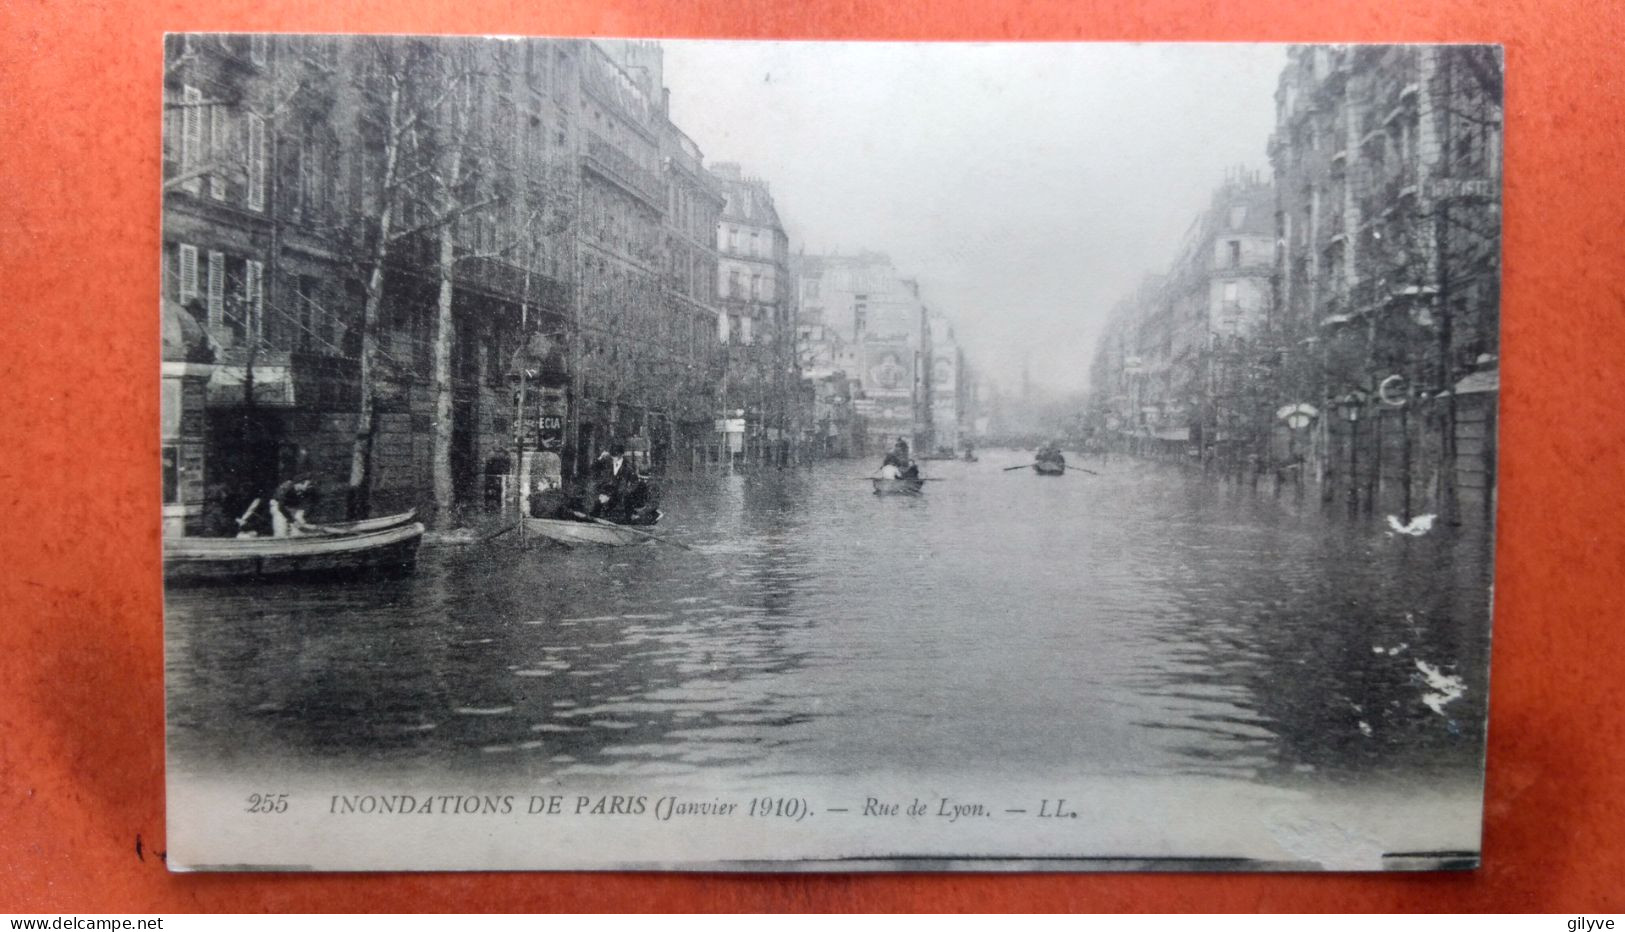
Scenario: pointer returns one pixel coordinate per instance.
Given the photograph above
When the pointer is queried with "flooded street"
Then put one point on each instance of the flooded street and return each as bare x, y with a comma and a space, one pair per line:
1143, 622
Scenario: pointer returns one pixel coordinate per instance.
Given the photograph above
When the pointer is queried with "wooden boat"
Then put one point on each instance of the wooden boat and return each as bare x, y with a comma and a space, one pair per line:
898, 486
203, 559
574, 533
366, 525
1049, 468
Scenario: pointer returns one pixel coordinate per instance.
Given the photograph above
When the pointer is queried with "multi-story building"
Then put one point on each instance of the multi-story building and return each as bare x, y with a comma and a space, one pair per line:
693, 210
1387, 162
426, 244
1171, 370
757, 320
860, 317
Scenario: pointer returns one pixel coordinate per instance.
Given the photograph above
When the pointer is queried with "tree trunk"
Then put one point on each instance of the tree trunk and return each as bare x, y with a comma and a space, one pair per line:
444, 493
444, 333
359, 493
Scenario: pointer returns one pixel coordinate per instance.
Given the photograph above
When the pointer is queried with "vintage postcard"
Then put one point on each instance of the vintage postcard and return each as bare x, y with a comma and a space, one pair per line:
723, 455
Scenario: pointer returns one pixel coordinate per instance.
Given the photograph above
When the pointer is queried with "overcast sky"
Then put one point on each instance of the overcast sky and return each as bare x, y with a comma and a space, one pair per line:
1028, 186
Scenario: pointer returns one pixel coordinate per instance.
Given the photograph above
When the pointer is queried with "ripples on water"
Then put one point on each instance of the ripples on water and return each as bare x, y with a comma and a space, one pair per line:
1144, 621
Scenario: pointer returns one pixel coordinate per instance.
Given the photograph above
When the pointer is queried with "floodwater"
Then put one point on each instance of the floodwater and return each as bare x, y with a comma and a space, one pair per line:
1143, 622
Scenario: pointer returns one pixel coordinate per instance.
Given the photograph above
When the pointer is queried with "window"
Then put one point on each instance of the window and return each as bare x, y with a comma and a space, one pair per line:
744, 331
1238, 216
733, 284
217, 289
756, 287
259, 46
191, 127
218, 130
254, 298
733, 239
755, 243
1235, 253
188, 273
1232, 292
172, 474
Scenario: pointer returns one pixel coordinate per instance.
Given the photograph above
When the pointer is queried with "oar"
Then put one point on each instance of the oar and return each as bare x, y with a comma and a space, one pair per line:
628, 527
495, 534
1063, 468
900, 479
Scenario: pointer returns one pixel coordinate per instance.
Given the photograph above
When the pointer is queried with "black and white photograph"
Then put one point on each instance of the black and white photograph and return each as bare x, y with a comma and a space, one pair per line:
635, 454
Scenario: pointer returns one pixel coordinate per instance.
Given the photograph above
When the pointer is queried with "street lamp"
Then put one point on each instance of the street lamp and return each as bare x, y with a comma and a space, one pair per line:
1350, 406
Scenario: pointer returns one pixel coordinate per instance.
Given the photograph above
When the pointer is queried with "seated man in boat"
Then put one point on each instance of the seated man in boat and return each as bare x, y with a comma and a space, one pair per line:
1051, 453
621, 494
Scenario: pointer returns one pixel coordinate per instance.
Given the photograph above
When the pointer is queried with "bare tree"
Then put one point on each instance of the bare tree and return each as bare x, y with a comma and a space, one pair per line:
403, 92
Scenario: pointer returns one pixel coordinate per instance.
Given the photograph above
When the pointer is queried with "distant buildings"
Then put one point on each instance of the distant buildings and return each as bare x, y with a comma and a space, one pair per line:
1169, 373
1361, 348
864, 323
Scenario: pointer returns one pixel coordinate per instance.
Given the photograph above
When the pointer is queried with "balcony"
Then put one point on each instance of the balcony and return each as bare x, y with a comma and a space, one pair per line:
617, 167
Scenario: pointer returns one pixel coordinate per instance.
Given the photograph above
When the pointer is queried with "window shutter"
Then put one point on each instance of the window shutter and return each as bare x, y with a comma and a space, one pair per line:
256, 162
217, 151
217, 289
188, 287
191, 128
254, 297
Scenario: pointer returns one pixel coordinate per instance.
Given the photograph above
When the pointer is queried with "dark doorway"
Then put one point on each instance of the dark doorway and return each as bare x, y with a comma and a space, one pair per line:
464, 448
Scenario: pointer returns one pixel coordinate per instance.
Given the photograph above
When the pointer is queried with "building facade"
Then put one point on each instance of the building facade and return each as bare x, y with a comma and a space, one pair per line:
757, 325
1172, 368
1354, 345
905, 370
1387, 162
417, 263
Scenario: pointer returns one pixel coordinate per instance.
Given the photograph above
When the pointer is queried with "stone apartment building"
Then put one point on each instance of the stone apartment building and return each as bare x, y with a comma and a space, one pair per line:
313, 248
757, 324
1387, 162
906, 373
1171, 370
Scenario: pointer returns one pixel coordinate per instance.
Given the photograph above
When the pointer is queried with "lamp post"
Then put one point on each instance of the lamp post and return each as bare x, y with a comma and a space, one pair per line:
1350, 406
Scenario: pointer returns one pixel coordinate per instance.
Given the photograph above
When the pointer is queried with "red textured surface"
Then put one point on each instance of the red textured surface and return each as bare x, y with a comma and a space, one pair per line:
81, 720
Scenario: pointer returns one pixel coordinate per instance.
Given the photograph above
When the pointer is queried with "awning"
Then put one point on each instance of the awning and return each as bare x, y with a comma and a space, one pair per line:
273, 386
1480, 382
184, 339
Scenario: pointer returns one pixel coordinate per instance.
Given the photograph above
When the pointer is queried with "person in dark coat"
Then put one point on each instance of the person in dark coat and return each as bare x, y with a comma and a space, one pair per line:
620, 493
289, 503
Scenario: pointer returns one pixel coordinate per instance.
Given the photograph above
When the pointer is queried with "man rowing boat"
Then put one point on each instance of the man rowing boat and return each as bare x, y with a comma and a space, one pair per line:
898, 464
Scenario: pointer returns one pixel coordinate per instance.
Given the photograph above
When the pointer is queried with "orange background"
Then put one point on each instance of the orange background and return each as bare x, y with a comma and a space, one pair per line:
81, 722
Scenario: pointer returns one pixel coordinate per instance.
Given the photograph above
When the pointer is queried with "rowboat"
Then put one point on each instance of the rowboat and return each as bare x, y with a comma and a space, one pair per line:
203, 559
582, 532
898, 486
366, 525
1049, 468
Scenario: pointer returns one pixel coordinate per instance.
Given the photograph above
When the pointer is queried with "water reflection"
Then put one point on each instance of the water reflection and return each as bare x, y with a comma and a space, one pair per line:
1143, 621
